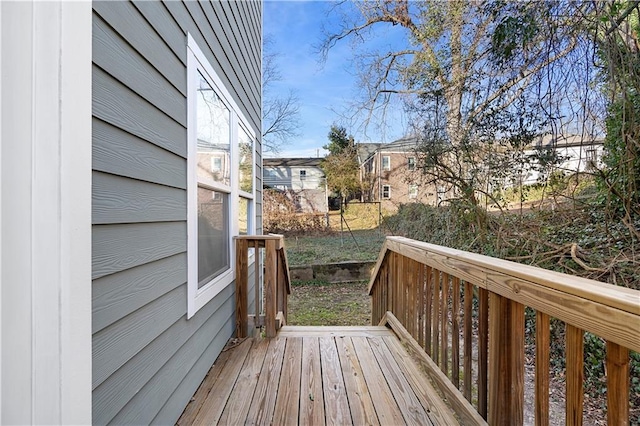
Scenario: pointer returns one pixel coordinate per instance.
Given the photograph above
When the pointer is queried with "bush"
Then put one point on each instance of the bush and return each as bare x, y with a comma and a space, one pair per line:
280, 216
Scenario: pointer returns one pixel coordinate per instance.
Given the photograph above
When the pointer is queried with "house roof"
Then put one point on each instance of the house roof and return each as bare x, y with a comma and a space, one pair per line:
405, 144
292, 162
367, 150
560, 141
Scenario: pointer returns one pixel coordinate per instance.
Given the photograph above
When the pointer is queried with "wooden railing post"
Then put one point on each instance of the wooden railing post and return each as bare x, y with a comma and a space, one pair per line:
270, 283
242, 279
617, 384
506, 361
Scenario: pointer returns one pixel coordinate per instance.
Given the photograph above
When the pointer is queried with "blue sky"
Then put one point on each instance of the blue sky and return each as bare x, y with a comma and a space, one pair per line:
325, 90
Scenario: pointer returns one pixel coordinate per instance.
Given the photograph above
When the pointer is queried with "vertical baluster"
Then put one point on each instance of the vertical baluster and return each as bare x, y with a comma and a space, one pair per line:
617, 384
444, 324
506, 361
483, 350
421, 303
413, 297
386, 296
241, 288
257, 303
542, 369
394, 283
428, 311
435, 338
468, 344
406, 290
575, 375
455, 333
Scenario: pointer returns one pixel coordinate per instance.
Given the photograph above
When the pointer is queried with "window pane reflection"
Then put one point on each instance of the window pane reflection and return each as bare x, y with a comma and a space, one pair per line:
214, 133
243, 216
213, 234
245, 148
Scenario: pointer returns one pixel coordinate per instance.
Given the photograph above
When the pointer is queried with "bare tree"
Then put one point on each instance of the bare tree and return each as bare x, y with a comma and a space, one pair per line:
280, 114
471, 59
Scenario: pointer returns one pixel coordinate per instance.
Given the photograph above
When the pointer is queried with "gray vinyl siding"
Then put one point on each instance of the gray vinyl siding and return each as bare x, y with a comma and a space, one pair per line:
148, 359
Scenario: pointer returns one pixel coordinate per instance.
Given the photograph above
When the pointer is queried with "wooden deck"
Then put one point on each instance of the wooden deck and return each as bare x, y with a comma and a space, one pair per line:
315, 376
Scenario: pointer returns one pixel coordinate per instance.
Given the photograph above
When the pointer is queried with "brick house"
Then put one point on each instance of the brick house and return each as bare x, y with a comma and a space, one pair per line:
389, 174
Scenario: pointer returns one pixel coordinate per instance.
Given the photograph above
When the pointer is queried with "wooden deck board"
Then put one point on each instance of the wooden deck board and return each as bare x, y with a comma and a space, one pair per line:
362, 410
383, 399
318, 376
217, 398
311, 397
264, 399
410, 407
240, 401
335, 395
288, 398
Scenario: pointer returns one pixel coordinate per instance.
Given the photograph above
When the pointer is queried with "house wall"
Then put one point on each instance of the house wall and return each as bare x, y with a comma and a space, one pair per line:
308, 194
575, 160
148, 359
284, 177
45, 202
399, 178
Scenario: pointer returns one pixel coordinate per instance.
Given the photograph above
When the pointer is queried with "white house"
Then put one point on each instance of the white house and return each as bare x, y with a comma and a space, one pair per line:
302, 179
574, 153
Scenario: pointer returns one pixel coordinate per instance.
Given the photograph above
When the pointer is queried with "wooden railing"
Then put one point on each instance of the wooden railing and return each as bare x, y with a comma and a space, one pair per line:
270, 292
441, 301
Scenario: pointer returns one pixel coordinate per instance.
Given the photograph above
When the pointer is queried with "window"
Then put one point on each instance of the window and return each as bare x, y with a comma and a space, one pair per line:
386, 162
413, 191
220, 180
386, 192
303, 174
411, 163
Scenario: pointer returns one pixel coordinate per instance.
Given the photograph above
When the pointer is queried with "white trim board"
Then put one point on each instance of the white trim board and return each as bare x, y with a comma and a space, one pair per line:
45, 228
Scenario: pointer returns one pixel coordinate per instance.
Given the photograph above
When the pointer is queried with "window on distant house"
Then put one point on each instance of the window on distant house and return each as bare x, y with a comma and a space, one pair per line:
386, 192
220, 181
413, 191
411, 163
303, 174
386, 162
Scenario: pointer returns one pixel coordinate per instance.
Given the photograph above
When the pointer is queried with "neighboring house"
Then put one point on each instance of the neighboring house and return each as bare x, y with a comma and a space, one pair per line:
389, 175
130, 158
301, 179
574, 153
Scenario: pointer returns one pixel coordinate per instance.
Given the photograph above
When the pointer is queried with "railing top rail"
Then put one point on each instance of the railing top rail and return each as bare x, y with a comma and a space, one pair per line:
608, 311
262, 238
279, 246
287, 275
448, 259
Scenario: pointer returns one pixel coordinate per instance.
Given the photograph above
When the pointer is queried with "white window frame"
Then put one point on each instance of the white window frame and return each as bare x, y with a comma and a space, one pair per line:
413, 191
197, 63
302, 174
388, 197
411, 163
386, 167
